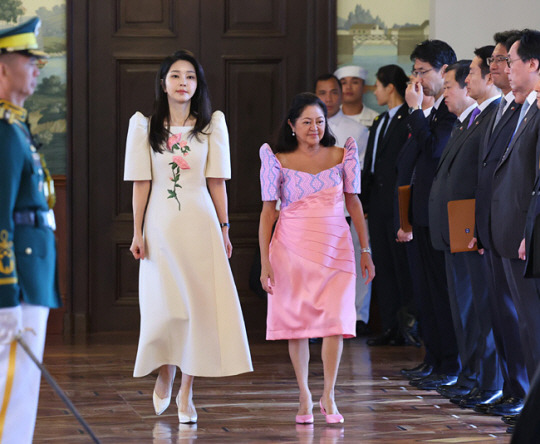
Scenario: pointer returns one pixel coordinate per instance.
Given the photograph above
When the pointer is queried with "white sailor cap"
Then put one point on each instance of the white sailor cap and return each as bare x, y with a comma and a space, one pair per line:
351, 71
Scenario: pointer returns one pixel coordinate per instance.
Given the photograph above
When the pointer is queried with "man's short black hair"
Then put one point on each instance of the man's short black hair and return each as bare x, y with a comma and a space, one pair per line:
529, 45
324, 77
461, 68
506, 38
435, 52
483, 54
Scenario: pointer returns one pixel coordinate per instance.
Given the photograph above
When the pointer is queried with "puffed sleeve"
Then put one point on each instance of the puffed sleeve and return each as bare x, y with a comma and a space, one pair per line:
218, 163
138, 164
270, 174
351, 168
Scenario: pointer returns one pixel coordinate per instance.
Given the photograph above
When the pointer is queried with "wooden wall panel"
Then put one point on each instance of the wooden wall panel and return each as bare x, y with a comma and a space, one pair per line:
134, 92
255, 18
253, 109
149, 18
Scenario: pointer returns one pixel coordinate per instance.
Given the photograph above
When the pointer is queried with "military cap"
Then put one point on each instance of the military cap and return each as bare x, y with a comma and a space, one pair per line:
22, 39
351, 71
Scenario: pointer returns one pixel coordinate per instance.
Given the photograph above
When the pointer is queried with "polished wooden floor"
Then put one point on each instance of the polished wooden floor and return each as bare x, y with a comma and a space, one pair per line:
378, 405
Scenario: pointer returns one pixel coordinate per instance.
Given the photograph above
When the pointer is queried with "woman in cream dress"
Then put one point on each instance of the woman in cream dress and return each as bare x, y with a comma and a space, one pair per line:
178, 160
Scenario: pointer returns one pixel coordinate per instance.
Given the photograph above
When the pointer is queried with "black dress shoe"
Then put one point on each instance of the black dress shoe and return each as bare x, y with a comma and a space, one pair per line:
420, 371
415, 381
362, 329
482, 408
481, 397
387, 338
434, 381
504, 406
457, 399
510, 420
453, 390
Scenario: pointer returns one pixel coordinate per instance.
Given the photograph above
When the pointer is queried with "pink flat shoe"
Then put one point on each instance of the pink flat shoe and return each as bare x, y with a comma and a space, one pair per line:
331, 419
304, 419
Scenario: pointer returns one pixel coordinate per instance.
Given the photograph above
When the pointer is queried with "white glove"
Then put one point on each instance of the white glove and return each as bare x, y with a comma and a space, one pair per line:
10, 324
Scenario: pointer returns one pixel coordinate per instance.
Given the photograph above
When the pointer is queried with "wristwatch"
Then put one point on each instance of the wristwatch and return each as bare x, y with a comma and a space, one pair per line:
412, 109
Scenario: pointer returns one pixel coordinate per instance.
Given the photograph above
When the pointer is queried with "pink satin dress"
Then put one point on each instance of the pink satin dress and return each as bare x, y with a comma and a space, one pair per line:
311, 251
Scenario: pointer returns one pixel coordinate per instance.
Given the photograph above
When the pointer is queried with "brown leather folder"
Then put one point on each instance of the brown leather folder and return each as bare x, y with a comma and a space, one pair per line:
461, 224
404, 201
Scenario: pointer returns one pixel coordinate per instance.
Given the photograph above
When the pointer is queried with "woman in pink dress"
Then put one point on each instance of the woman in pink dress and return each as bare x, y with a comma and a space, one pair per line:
308, 267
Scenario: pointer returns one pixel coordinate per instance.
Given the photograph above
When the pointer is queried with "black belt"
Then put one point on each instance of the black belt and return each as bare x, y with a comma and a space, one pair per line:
35, 218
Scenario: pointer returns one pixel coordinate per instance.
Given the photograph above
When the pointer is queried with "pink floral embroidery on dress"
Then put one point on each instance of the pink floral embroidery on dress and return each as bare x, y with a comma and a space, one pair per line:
175, 143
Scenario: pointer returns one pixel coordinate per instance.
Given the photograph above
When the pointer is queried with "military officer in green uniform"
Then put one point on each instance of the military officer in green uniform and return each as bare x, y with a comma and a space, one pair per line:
28, 285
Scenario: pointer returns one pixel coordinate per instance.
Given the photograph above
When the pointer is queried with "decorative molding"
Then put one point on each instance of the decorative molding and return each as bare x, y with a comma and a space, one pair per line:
255, 18
141, 18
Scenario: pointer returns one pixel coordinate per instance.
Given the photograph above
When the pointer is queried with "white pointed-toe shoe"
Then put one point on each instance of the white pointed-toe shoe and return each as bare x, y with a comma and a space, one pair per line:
185, 417
160, 405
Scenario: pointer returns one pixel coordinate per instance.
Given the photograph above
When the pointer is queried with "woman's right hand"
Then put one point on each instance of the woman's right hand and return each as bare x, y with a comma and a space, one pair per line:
267, 277
137, 246
404, 236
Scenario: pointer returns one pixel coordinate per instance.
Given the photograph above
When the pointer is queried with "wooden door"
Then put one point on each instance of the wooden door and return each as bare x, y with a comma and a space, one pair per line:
256, 54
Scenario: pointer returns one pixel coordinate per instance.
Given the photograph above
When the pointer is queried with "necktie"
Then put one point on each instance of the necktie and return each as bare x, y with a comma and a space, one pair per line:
432, 114
455, 128
475, 112
379, 139
524, 109
499, 114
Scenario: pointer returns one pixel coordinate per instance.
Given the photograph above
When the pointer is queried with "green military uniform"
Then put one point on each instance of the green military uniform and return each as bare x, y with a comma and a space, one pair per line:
27, 244
28, 285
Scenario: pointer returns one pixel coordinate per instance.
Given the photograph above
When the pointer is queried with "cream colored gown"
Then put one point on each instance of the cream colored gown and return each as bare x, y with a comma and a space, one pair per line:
190, 313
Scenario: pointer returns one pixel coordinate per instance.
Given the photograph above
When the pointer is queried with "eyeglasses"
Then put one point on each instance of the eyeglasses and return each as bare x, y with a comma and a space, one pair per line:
509, 61
421, 73
497, 59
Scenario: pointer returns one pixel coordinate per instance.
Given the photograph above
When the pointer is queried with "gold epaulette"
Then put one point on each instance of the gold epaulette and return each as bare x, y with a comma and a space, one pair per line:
11, 112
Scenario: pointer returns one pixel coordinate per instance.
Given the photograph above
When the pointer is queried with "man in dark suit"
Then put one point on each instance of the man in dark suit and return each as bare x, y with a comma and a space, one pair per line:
513, 182
27, 245
527, 426
466, 273
386, 138
431, 134
502, 311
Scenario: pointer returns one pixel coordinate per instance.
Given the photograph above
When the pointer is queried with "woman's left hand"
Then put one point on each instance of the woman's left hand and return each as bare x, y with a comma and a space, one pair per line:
227, 242
368, 269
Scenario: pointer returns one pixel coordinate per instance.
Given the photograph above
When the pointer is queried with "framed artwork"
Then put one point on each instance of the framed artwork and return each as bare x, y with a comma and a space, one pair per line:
374, 33
47, 106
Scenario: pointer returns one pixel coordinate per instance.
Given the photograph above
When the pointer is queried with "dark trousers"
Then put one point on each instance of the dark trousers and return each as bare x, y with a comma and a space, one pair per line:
419, 296
526, 297
438, 327
392, 283
467, 278
504, 320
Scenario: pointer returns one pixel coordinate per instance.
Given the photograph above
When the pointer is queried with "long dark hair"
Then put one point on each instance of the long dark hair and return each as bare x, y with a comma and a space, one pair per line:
393, 74
286, 142
200, 107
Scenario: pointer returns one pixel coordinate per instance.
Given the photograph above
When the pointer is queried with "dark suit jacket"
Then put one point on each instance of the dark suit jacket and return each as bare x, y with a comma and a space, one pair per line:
493, 144
456, 175
513, 182
378, 187
532, 215
431, 137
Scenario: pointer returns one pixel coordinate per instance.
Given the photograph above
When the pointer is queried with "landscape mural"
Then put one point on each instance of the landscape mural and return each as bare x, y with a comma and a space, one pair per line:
47, 107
